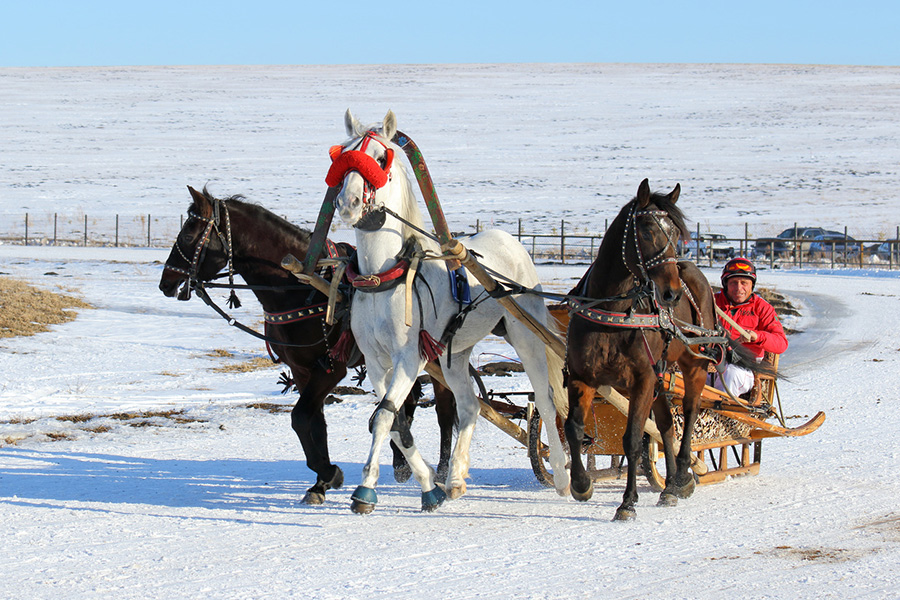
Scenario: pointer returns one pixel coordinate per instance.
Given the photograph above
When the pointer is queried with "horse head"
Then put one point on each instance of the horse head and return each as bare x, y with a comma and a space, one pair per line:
197, 254
649, 246
361, 166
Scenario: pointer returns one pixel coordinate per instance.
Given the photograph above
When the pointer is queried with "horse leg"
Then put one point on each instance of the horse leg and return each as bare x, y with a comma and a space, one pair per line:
445, 407
308, 422
388, 420
665, 424
467, 411
641, 397
683, 483
581, 395
402, 470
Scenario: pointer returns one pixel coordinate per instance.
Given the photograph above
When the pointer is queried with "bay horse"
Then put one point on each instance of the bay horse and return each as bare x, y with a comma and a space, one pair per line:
410, 315
250, 241
649, 301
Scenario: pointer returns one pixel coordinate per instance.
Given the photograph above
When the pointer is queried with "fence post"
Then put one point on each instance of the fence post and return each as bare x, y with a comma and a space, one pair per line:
117, 231
85, 230
148, 231
562, 240
745, 246
26, 229
55, 215
520, 230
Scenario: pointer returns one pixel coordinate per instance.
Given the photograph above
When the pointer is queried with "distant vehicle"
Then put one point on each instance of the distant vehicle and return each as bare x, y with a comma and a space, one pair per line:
783, 244
887, 251
693, 249
833, 245
719, 245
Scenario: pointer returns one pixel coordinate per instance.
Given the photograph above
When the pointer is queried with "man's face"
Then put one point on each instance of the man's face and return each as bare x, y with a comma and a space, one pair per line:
739, 289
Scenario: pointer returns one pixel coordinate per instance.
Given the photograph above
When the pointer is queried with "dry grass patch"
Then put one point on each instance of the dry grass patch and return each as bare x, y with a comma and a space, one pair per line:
27, 310
254, 364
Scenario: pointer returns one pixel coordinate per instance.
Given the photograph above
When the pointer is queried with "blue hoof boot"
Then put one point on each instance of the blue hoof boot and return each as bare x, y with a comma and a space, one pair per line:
431, 500
363, 500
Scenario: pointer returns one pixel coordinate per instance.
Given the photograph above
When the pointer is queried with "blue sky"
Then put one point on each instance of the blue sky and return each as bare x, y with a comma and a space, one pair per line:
163, 32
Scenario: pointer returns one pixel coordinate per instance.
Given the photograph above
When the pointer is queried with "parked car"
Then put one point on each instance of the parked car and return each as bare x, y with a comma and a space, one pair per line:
719, 245
833, 245
783, 244
693, 249
887, 251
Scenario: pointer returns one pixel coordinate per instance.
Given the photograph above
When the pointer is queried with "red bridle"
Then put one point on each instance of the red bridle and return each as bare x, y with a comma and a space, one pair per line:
343, 161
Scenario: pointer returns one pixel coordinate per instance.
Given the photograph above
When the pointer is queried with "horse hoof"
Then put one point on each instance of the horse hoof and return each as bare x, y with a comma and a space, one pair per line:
667, 499
625, 514
313, 498
337, 480
582, 496
363, 500
565, 491
456, 491
683, 491
402, 473
431, 500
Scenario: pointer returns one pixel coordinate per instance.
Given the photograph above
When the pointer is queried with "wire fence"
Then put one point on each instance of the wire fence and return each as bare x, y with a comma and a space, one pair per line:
794, 246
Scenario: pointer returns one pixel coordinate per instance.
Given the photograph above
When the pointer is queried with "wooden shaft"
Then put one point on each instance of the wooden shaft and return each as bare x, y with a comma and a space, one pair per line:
455, 248
293, 265
487, 411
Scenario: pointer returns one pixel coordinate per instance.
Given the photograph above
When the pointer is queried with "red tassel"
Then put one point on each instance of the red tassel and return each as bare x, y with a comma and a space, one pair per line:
429, 348
343, 347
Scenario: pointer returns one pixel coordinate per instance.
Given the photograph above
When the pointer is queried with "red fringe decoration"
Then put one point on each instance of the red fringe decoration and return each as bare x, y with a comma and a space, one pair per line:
429, 348
343, 347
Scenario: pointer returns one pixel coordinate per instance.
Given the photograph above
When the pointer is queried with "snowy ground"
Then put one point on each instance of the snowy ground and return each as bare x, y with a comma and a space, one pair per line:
148, 507
211, 507
767, 145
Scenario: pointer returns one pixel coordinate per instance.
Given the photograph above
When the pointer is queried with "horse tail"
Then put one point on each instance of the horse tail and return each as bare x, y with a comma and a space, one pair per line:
558, 391
742, 357
555, 366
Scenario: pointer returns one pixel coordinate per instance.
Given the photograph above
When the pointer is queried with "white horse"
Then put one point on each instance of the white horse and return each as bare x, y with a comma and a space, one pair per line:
395, 327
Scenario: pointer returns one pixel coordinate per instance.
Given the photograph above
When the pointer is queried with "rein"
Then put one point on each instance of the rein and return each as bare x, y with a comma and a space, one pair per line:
200, 289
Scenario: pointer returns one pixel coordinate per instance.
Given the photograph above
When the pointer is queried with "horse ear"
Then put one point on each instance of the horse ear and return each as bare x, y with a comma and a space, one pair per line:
643, 194
201, 202
353, 126
673, 195
389, 127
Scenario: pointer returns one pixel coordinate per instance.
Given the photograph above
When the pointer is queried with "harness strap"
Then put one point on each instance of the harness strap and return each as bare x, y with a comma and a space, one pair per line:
377, 282
292, 316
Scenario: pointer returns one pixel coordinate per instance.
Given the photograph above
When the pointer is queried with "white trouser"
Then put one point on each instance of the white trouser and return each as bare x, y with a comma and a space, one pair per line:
737, 379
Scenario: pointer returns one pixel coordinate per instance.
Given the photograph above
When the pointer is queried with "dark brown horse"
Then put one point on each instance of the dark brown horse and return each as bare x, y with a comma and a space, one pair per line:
251, 241
649, 305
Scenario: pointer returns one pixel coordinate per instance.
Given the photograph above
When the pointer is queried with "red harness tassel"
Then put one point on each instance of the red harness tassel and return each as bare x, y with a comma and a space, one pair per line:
429, 348
343, 347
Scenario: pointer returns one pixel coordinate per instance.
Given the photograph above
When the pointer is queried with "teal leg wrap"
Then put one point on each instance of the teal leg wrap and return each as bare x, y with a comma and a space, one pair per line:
431, 500
365, 495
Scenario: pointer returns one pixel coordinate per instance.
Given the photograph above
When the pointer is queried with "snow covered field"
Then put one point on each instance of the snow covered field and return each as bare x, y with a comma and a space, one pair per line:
208, 504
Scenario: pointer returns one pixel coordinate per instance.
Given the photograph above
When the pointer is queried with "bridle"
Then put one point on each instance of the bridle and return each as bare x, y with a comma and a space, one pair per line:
196, 261
645, 264
375, 176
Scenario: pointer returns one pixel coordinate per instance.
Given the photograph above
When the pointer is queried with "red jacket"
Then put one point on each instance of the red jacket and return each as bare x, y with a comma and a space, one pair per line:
758, 315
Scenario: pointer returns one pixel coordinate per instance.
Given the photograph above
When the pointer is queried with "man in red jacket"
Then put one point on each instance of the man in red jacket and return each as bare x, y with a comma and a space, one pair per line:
756, 316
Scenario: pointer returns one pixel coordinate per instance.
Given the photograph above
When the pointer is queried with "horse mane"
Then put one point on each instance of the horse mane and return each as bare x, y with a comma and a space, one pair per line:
291, 233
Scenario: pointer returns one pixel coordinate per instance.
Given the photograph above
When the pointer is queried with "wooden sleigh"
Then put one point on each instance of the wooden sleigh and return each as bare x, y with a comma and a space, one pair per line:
727, 438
